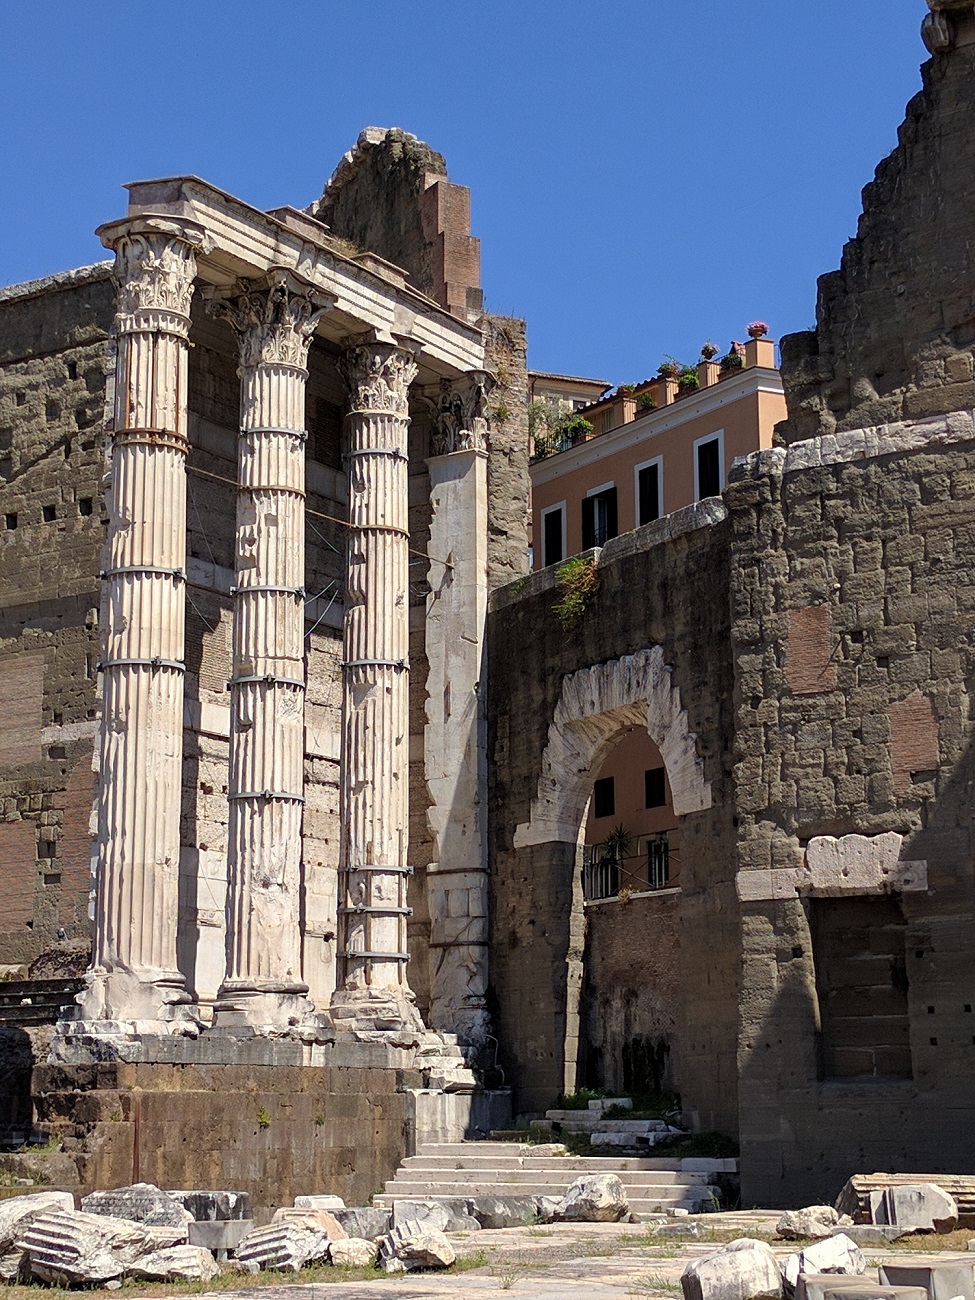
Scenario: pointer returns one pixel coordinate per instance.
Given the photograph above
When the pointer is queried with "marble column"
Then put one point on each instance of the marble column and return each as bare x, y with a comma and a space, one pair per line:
274, 323
134, 978
455, 736
373, 991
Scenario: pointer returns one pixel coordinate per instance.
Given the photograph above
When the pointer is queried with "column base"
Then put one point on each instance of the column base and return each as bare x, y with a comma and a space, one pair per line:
119, 1009
271, 1011
371, 1012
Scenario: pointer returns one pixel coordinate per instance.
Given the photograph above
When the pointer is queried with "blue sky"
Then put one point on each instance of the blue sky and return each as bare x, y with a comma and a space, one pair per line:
644, 175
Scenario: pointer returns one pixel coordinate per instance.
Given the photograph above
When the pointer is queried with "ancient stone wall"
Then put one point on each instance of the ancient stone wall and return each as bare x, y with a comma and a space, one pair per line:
664, 586
896, 323
53, 365
275, 1132
852, 596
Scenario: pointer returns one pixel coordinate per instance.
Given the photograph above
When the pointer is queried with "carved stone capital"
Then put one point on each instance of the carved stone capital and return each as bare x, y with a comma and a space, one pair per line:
378, 376
274, 319
155, 264
457, 408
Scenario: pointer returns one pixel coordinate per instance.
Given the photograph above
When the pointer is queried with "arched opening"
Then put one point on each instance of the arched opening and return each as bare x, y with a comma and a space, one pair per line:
599, 707
631, 882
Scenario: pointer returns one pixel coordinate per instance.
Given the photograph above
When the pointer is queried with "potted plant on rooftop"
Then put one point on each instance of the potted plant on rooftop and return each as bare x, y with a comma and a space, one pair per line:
669, 369
757, 329
709, 351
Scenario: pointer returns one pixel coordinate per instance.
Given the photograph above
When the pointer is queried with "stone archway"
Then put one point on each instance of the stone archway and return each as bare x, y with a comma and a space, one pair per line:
595, 707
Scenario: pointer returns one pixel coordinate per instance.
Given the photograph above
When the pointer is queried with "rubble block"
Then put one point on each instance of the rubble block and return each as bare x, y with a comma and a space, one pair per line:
743, 1270
15, 1215
317, 1220
365, 1222
547, 1208
446, 1215
914, 1207
595, 1198
836, 1254
413, 1246
220, 1236
875, 1291
177, 1264
869, 1234
282, 1248
813, 1221
353, 1252
142, 1203
214, 1205
813, 1286
319, 1203
68, 1246
854, 1197
505, 1211
607, 1103
941, 1279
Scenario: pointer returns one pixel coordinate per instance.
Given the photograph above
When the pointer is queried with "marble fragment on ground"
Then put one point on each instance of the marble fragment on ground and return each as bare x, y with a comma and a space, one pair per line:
743, 1270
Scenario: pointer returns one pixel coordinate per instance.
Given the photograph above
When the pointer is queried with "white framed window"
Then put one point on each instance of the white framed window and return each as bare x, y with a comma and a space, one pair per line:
553, 534
648, 490
600, 521
709, 477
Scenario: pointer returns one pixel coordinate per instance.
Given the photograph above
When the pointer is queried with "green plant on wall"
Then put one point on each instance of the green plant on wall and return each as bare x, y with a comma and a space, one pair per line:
263, 1117
577, 582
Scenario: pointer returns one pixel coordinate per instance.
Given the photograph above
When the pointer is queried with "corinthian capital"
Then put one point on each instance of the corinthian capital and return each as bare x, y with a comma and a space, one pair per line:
458, 410
155, 263
378, 376
274, 319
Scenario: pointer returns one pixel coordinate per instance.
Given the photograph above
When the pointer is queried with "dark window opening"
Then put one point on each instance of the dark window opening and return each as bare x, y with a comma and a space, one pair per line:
599, 518
648, 494
708, 469
861, 981
658, 860
552, 549
604, 797
49, 514
21, 399
84, 506
655, 787
11, 520
72, 370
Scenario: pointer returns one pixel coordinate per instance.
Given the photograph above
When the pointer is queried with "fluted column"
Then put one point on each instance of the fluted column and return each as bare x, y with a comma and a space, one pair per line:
274, 324
373, 990
134, 975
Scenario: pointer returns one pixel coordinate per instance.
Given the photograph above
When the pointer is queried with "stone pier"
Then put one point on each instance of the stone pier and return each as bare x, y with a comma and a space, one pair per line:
455, 739
274, 324
134, 979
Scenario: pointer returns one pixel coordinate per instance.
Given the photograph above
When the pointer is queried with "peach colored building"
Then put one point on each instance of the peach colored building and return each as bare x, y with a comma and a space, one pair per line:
653, 449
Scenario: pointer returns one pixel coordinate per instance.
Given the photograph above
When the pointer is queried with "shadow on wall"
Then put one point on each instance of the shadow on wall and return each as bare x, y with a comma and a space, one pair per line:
857, 1044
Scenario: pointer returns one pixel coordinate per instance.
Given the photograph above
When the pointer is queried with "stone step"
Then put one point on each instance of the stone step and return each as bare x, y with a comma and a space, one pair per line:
423, 1191
644, 1206
550, 1177
504, 1151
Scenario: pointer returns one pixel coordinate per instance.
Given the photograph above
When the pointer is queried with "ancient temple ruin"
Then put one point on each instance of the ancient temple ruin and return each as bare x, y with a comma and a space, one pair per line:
345, 745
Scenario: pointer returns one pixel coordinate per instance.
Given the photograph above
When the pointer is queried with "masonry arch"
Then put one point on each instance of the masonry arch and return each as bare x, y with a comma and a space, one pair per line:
597, 706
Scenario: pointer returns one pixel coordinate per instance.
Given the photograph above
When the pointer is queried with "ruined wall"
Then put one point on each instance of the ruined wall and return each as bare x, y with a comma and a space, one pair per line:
667, 585
53, 363
390, 194
896, 323
852, 594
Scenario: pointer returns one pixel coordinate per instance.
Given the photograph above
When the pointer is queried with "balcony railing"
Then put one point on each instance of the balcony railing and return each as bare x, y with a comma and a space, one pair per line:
605, 876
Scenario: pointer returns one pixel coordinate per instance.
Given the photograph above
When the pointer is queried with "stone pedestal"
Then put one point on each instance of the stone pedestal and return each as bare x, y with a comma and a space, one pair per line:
373, 993
134, 980
263, 987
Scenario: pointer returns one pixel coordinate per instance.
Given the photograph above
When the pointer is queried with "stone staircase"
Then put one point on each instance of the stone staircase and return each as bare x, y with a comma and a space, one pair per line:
466, 1170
